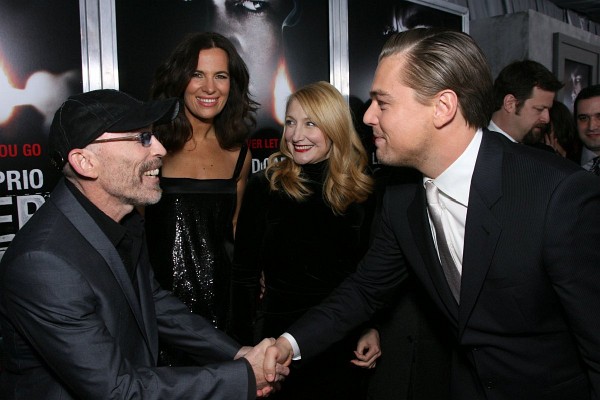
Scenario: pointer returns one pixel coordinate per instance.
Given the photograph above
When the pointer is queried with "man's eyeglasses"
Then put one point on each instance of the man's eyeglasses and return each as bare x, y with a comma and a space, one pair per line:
145, 138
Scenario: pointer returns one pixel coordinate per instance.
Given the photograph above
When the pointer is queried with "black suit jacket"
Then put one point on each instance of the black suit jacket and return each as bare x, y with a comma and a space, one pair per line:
74, 327
528, 322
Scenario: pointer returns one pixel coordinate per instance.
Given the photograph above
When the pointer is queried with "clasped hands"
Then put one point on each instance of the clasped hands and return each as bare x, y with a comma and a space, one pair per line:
256, 356
270, 359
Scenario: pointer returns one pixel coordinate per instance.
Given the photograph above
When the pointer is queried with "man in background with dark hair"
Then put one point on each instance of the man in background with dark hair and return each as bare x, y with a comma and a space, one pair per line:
587, 117
523, 95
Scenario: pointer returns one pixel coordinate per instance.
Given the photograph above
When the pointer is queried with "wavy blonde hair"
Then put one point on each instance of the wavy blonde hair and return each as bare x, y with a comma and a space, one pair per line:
347, 180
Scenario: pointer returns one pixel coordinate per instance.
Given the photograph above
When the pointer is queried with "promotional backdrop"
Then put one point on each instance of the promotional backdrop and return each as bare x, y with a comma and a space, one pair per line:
40, 66
285, 44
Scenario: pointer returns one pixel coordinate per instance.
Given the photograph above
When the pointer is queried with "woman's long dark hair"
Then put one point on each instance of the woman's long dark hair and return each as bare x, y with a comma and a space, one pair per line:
232, 125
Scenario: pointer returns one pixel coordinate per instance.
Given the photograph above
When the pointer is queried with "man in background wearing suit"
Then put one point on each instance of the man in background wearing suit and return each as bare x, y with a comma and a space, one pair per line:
587, 118
523, 95
80, 311
503, 238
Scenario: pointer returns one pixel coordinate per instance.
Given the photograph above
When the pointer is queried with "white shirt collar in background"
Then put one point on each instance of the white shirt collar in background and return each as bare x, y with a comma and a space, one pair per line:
493, 127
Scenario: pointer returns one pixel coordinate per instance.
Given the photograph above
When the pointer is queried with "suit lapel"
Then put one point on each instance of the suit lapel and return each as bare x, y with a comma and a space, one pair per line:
482, 230
75, 213
146, 301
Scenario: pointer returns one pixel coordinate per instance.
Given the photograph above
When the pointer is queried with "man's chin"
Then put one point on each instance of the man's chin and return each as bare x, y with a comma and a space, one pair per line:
537, 131
151, 198
387, 159
156, 198
594, 148
380, 156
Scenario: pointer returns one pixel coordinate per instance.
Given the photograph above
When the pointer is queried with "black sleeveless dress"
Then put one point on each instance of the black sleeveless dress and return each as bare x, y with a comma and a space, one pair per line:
190, 241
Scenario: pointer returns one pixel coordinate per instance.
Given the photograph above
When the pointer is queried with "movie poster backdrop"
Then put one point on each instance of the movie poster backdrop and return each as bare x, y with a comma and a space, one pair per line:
40, 66
285, 44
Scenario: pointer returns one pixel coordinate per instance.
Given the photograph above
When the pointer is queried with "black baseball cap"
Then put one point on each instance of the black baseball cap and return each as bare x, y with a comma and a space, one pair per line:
84, 117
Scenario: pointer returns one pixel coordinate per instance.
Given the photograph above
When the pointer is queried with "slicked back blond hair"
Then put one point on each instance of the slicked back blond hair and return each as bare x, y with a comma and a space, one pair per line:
436, 59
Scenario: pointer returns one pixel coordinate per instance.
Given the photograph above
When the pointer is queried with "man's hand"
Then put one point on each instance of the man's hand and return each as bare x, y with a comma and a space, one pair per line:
242, 352
256, 358
367, 349
278, 355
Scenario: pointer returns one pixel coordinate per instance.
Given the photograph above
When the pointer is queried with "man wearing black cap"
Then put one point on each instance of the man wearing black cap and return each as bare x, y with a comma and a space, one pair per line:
80, 311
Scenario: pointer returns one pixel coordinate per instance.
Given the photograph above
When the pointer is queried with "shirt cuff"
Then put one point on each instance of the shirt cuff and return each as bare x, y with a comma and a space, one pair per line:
295, 348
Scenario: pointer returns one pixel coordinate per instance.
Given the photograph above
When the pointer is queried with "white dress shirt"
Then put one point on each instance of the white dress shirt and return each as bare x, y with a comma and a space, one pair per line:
493, 127
454, 185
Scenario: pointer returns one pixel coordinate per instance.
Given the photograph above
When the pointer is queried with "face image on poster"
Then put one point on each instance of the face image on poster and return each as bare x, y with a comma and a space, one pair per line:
284, 43
40, 66
369, 26
577, 76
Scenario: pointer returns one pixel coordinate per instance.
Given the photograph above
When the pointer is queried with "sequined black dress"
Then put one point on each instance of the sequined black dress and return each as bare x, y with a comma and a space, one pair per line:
190, 240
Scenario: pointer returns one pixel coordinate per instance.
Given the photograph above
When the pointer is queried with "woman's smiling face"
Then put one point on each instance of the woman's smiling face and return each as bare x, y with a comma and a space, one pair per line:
305, 141
208, 89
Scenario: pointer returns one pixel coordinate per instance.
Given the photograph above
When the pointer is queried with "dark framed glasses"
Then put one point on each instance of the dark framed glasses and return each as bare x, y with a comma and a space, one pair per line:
145, 138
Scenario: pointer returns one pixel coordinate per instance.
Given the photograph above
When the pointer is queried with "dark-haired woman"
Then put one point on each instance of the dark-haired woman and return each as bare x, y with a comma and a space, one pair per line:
203, 177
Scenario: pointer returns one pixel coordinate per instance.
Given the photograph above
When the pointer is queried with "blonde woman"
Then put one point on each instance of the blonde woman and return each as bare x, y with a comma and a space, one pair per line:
304, 224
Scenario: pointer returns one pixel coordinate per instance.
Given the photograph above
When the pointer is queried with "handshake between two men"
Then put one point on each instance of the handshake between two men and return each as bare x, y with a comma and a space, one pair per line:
267, 380
270, 359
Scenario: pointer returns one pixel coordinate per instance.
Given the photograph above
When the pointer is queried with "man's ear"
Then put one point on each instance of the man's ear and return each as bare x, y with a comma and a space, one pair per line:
510, 103
445, 108
84, 162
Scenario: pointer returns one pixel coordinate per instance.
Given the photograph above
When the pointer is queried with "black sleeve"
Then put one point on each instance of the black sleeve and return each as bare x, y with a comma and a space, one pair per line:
247, 268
